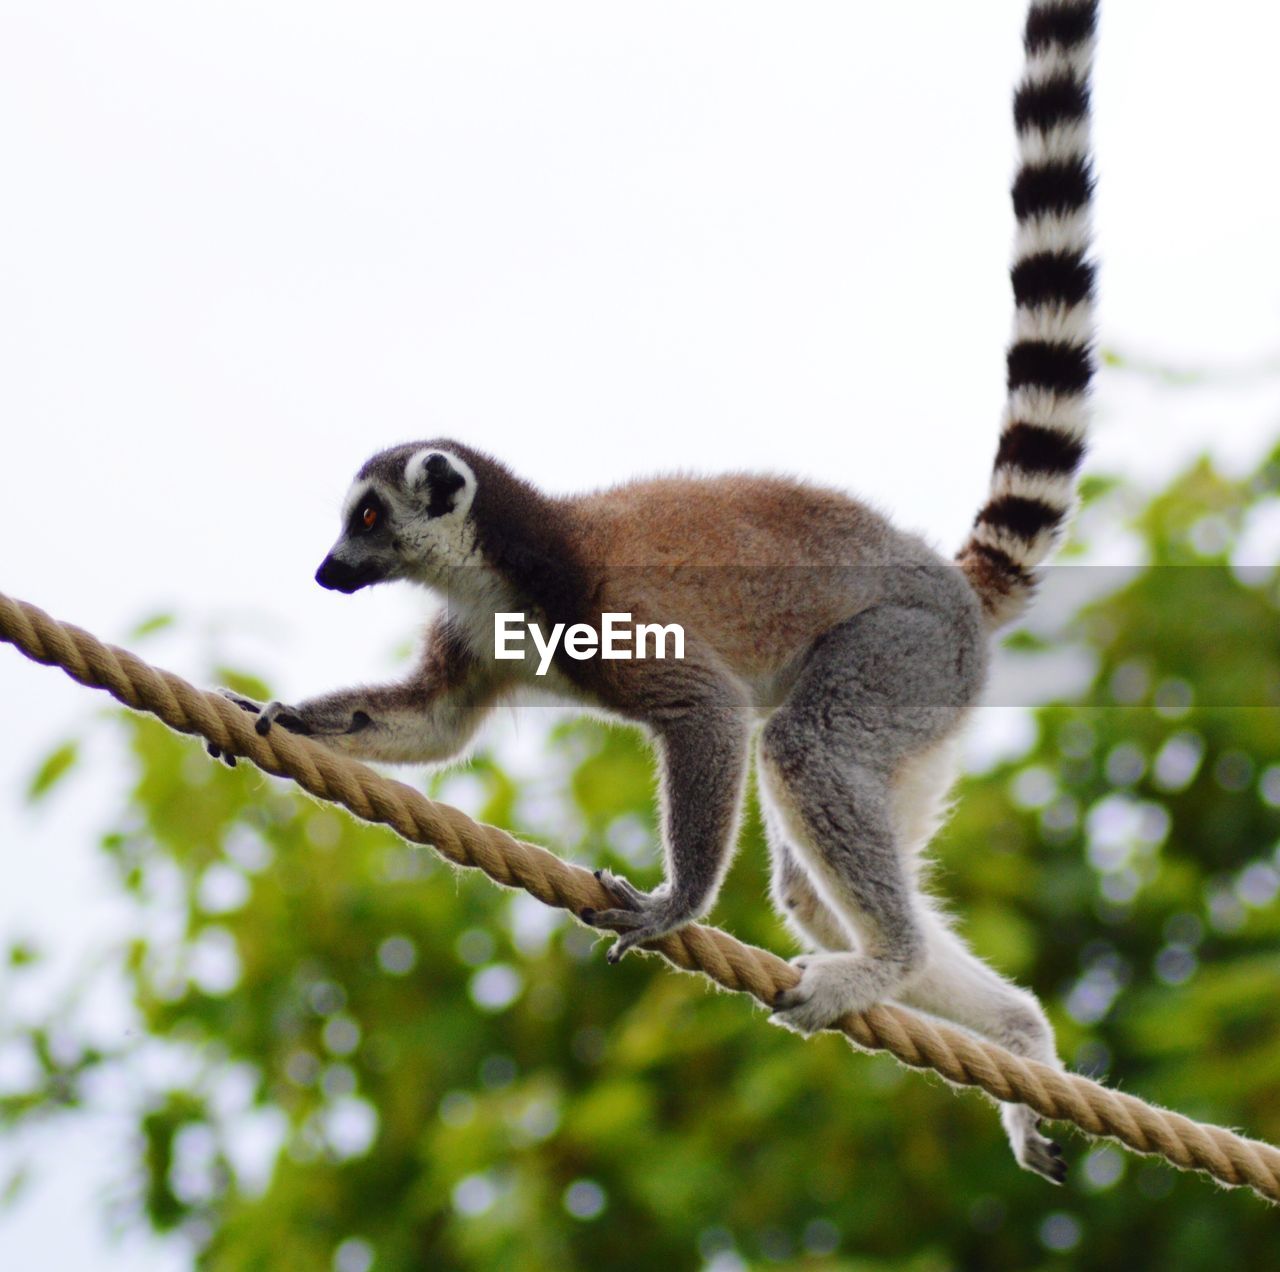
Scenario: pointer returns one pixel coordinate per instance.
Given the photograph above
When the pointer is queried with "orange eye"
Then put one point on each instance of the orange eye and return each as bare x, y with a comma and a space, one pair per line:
369, 517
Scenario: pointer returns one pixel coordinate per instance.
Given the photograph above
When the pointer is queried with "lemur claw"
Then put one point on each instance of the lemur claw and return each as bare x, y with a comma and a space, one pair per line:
219, 754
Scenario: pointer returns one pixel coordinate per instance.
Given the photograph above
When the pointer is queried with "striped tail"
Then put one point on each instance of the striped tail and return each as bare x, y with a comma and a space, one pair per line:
1050, 358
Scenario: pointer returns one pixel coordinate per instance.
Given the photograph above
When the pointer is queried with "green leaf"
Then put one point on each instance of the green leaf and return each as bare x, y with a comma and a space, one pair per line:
1096, 485
1023, 641
22, 954
56, 765
13, 1187
149, 626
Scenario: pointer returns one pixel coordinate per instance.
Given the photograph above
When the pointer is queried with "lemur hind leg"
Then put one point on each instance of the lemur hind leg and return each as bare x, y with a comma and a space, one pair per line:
853, 776
814, 923
920, 789
955, 984
886, 686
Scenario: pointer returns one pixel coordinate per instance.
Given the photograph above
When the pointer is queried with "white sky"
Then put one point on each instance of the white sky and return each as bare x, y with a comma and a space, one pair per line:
244, 244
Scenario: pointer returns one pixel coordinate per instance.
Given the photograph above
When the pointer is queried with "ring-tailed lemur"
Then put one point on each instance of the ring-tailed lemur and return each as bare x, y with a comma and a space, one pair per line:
860, 648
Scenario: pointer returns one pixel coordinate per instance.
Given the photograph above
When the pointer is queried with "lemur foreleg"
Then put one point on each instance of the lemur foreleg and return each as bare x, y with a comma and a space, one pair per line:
428, 717
702, 746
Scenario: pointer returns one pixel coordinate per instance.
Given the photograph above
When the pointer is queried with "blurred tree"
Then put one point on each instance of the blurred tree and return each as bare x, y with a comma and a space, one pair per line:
371, 1061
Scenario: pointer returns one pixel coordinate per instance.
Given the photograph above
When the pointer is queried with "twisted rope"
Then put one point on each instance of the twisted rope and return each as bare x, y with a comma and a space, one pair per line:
915, 1040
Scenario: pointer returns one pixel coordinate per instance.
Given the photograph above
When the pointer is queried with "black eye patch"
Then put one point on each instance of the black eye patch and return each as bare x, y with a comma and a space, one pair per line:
443, 482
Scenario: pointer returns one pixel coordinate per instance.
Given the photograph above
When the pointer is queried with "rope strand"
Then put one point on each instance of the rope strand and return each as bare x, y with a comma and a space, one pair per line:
918, 1041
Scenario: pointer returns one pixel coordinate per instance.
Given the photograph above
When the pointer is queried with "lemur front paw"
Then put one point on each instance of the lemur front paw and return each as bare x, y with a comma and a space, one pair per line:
830, 986
640, 916
268, 714
245, 704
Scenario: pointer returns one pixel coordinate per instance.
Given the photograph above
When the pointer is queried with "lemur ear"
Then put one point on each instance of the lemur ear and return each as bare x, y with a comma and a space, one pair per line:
441, 480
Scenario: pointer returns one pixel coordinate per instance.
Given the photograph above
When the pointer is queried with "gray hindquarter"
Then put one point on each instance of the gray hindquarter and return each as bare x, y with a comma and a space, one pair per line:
885, 687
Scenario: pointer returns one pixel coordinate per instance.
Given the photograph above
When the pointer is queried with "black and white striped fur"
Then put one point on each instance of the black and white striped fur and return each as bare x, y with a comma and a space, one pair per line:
1051, 354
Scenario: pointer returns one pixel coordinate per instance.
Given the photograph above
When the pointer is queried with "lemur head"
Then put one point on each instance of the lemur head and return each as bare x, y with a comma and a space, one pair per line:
406, 516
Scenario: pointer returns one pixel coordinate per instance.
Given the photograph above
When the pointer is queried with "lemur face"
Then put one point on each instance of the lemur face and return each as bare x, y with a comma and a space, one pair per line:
405, 517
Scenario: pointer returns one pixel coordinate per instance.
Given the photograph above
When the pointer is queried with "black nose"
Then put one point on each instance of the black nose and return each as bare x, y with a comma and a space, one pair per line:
338, 576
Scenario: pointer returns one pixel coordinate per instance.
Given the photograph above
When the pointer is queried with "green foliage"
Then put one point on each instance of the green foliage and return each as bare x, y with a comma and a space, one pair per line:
149, 626
53, 768
368, 1053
